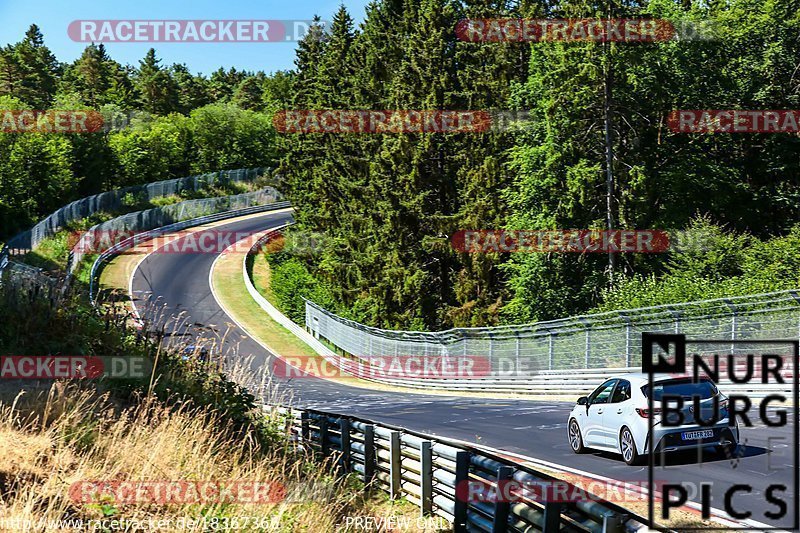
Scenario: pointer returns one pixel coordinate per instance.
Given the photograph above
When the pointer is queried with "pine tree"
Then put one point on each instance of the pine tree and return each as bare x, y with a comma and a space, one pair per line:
122, 91
222, 83
93, 75
193, 91
38, 68
249, 94
156, 87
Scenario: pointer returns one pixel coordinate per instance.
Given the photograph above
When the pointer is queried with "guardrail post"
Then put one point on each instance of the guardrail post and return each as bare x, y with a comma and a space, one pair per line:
344, 427
369, 453
426, 478
323, 435
516, 354
550, 345
305, 427
552, 517
612, 523
462, 492
501, 507
394, 465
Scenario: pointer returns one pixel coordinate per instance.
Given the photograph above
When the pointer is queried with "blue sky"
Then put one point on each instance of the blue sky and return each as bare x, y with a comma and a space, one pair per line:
53, 17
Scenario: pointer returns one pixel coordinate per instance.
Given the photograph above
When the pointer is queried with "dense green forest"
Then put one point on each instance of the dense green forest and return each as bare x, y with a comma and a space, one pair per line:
165, 122
388, 204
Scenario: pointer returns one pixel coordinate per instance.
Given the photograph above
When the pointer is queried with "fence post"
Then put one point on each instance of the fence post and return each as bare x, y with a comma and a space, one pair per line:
552, 517
491, 352
588, 347
426, 478
734, 311
501, 508
676, 315
627, 320
550, 339
344, 427
516, 355
369, 453
394, 465
797, 300
462, 492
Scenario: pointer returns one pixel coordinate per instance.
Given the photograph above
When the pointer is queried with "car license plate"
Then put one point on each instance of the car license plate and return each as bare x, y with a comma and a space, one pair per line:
695, 435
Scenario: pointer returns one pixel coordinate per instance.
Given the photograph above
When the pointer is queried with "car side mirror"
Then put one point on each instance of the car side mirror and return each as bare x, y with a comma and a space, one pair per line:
583, 400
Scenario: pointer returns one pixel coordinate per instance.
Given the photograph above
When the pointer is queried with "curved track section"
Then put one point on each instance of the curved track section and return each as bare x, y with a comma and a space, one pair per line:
177, 287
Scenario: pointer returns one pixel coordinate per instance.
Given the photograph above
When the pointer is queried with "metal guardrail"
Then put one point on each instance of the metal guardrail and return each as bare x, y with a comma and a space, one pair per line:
177, 226
603, 340
433, 473
110, 200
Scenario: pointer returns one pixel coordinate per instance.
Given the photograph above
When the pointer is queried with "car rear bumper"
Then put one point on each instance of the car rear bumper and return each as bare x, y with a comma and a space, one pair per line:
672, 439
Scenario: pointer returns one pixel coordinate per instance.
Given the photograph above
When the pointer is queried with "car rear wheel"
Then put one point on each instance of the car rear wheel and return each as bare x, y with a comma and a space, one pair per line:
728, 446
627, 447
575, 439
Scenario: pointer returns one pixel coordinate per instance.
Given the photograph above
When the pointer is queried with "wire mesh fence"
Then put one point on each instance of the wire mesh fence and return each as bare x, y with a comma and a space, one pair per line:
603, 340
115, 201
105, 234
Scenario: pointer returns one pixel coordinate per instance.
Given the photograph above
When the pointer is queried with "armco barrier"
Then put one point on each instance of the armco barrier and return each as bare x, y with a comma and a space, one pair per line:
427, 471
111, 200
147, 235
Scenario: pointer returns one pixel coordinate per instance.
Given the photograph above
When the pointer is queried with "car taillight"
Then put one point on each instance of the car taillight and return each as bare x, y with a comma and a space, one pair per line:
723, 404
645, 413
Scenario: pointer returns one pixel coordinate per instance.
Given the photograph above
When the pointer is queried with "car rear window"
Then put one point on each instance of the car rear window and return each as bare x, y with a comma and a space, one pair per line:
704, 389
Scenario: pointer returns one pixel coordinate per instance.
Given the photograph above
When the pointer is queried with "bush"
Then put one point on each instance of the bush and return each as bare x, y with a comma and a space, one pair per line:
290, 282
723, 264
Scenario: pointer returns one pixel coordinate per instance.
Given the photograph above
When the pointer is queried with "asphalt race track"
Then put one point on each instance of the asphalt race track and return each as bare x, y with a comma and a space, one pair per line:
179, 283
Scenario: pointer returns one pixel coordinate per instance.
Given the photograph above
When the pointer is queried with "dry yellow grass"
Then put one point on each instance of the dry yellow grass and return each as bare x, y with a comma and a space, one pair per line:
68, 435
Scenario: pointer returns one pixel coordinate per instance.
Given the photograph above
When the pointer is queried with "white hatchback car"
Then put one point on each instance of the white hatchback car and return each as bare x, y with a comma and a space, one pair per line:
615, 417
